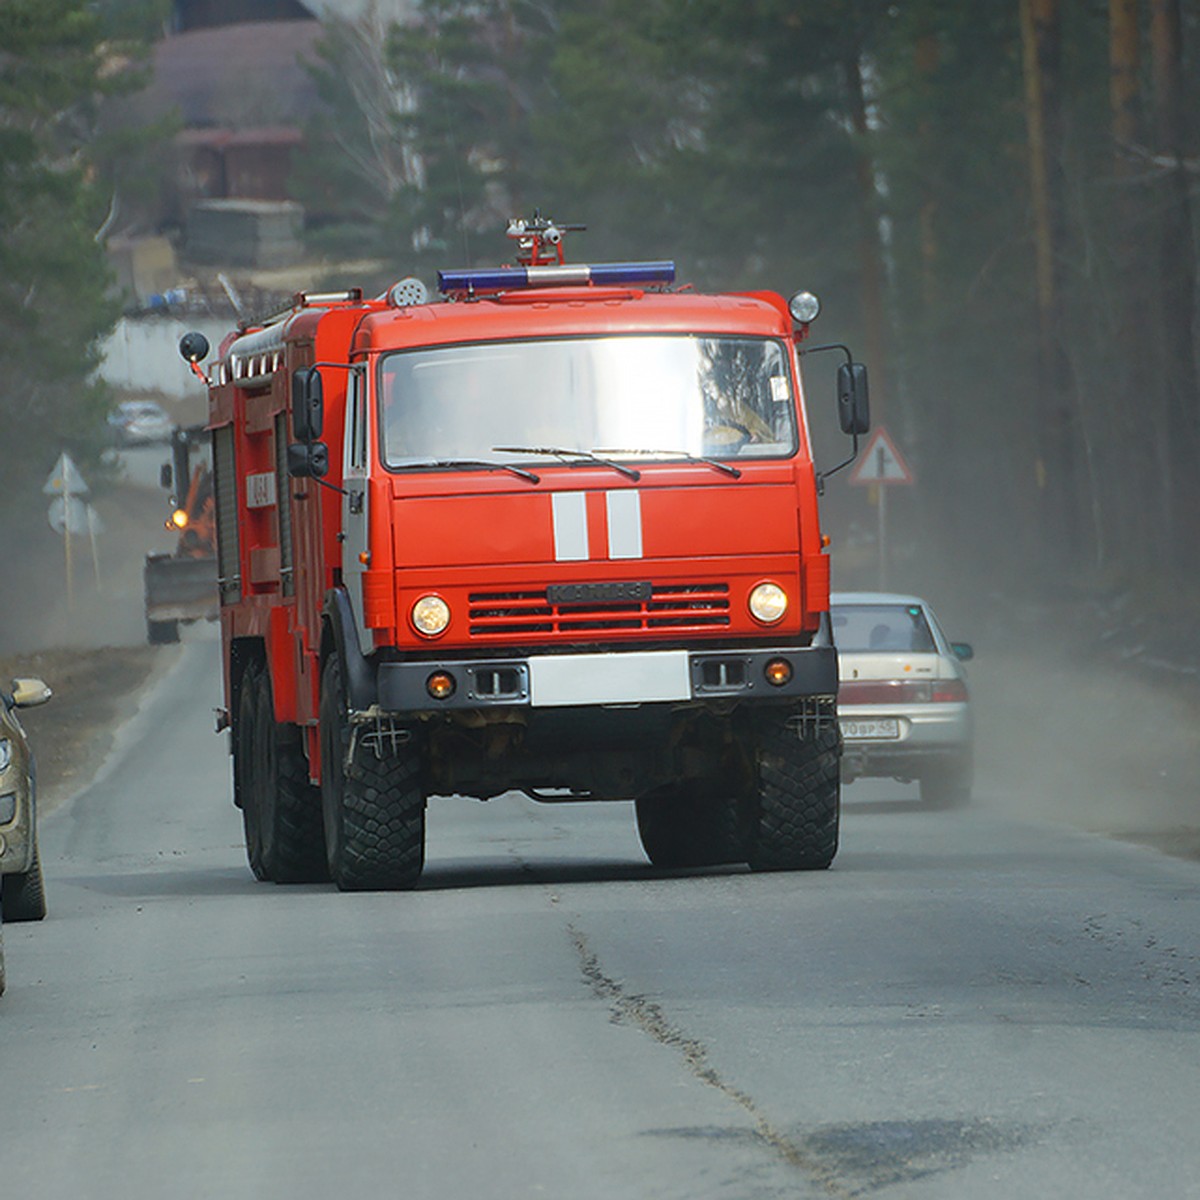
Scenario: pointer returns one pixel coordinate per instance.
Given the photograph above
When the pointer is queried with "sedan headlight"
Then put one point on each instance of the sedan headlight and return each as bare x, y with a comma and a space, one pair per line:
768, 603
5, 753
430, 616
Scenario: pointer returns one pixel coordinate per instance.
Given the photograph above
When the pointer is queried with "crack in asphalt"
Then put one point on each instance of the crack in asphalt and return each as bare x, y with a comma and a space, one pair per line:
650, 1018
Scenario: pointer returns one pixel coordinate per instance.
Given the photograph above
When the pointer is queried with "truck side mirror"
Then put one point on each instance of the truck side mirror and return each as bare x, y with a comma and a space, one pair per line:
853, 398
308, 460
164, 476
308, 404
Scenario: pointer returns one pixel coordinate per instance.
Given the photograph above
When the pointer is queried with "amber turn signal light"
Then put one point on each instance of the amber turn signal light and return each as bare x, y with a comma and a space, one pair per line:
778, 672
440, 685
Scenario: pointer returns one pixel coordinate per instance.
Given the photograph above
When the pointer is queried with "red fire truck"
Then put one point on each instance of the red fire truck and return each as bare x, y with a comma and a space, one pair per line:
555, 532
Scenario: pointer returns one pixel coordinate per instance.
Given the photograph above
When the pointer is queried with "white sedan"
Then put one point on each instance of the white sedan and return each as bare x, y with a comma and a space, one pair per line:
140, 423
903, 702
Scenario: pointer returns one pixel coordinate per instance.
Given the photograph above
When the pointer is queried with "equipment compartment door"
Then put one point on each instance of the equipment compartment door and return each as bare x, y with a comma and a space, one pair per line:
355, 546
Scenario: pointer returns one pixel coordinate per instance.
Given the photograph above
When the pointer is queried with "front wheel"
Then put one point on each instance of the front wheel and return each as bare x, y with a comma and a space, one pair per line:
23, 896
793, 808
372, 801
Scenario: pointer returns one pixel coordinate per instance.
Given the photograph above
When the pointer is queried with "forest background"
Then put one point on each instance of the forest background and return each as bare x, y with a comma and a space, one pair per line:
996, 203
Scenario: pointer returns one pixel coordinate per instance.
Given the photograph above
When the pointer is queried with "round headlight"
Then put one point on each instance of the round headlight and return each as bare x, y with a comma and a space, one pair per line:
5, 753
430, 616
768, 603
804, 307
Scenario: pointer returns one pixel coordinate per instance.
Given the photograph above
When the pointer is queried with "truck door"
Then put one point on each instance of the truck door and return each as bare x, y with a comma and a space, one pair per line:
355, 543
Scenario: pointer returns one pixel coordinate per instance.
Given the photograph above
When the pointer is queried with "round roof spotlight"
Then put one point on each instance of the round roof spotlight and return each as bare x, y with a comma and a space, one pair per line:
407, 292
804, 307
768, 602
430, 616
193, 347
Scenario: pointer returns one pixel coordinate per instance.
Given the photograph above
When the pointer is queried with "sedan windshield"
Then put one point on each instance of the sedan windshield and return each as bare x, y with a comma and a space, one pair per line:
882, 627
645, 395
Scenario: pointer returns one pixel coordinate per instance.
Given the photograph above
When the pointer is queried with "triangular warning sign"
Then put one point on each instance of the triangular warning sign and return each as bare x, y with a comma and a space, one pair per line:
881, 462
65, 479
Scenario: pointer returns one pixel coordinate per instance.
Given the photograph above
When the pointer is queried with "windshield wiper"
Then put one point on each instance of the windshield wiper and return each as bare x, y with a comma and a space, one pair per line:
486, 463
566, 453
715, 463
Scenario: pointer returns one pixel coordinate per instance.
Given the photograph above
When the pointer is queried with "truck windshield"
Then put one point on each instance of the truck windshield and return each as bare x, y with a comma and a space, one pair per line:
719, 397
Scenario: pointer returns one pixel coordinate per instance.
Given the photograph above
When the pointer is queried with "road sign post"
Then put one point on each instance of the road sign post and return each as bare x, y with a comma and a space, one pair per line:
69, 514
883, 466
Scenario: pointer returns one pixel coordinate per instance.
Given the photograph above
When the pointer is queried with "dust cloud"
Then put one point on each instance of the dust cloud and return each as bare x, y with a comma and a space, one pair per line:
1073, 724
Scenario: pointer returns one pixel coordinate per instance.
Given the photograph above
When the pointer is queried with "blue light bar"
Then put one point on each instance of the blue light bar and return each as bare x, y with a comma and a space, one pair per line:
505, 279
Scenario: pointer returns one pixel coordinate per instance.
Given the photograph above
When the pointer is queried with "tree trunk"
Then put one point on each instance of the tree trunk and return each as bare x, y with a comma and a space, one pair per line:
1137, 514
1124, 63
1176, 310
1056, 416
870, 251
928, 58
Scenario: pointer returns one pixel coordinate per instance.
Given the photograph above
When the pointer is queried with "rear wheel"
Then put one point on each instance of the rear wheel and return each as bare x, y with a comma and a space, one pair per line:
373, 804
245, 736
792, 810
290, 826
23, 896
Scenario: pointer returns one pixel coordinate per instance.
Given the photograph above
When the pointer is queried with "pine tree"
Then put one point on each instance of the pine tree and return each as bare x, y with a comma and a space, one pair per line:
57, 64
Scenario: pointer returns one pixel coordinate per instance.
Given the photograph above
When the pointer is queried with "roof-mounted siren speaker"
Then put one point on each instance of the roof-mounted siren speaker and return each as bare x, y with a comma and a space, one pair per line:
407, 292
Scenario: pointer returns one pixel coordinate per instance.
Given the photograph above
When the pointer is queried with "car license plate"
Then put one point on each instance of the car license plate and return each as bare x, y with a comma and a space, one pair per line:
858, 731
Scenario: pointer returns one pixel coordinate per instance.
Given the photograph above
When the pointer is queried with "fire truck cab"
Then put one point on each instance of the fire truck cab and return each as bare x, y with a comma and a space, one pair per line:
556, 532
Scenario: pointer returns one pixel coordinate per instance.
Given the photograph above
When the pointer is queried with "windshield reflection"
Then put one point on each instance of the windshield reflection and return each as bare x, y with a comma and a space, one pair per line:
716, 397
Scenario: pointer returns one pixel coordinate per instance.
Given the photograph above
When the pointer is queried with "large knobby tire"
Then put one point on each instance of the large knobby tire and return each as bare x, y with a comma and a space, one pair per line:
245, 736
23, 896
794, 808
679, 828
290, 825
373, 806
947, 785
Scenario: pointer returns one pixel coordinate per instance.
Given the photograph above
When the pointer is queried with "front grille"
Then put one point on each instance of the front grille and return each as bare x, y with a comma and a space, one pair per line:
675, 606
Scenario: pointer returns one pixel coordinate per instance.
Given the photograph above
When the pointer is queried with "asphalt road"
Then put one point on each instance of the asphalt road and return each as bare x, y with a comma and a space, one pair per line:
966, 1005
